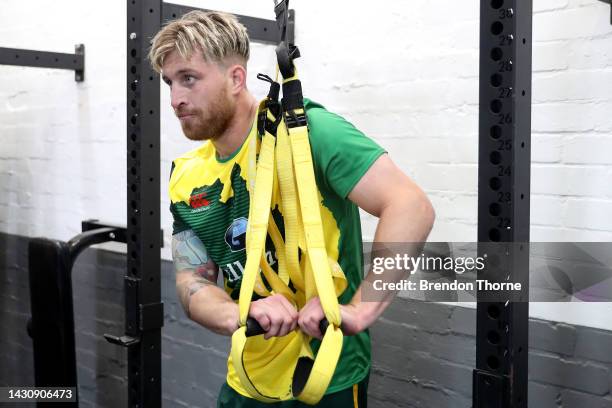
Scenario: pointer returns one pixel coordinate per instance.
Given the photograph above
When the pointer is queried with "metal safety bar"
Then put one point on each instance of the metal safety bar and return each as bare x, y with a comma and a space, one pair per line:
45, 59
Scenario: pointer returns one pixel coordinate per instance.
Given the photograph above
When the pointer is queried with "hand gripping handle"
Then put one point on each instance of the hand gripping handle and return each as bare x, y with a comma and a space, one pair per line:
253, 328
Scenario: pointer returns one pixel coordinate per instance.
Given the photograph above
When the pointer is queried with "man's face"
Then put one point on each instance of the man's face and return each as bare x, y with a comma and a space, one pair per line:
199, 93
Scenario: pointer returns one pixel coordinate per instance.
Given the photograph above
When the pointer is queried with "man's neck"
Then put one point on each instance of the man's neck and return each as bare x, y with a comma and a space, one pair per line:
238, 130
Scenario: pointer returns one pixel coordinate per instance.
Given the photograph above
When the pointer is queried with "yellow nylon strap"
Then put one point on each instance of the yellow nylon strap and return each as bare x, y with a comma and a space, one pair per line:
239, 341
313, 227
303, 229
323, 367
258, 224
278, 286
289, 197
294, 274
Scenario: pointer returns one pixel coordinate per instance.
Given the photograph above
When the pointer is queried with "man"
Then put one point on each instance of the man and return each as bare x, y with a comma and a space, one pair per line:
203, 59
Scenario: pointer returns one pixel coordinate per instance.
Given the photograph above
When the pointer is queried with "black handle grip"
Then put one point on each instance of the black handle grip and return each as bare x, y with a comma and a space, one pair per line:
323, 325
253, 328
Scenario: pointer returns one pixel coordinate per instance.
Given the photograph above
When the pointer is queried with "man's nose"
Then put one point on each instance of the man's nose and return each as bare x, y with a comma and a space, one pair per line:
177, 97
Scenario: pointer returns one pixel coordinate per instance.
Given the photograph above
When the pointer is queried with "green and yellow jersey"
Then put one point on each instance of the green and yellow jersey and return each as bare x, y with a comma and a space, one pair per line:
209, 196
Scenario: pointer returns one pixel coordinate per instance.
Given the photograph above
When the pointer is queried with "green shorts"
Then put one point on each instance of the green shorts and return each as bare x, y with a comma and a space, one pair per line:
352, 397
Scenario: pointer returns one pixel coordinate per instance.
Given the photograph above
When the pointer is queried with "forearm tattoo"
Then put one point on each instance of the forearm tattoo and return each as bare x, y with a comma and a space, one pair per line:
191, 260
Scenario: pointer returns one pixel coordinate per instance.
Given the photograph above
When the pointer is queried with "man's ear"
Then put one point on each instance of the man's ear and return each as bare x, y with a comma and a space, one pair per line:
237, 75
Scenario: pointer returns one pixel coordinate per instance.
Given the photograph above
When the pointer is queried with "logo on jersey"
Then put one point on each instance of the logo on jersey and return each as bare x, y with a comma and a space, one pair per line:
198, 200
235, 236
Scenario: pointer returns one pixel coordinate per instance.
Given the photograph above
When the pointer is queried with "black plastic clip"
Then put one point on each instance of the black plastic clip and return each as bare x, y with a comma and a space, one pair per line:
294, 120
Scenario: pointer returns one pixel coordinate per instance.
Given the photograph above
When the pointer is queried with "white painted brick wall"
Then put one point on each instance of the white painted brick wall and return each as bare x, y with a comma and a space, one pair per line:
404, 72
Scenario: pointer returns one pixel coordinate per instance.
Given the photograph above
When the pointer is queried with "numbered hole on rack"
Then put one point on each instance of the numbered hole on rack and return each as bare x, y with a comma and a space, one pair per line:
495, 157
493, 362
495, 4
133, 52
497, 54
495, 209
493, 312
496, 106
495, 183
495, 132
497, 28
496, 80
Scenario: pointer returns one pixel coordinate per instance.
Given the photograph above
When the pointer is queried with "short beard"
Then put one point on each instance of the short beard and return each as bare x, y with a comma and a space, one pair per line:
212, 124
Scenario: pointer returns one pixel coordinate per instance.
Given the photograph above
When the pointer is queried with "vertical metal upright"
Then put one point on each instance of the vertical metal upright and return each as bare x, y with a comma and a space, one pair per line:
500, 377
144, 310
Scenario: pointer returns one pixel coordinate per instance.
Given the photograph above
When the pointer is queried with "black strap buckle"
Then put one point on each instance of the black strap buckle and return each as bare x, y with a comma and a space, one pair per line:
293, 119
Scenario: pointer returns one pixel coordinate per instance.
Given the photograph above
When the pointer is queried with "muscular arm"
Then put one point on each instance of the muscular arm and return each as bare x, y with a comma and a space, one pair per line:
196, 284
405, 216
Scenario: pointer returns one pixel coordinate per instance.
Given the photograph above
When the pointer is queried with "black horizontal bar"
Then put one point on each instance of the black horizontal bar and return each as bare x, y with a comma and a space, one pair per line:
45, 59
259, 29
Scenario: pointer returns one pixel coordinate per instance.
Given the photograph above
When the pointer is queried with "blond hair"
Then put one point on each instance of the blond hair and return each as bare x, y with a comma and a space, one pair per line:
217, 35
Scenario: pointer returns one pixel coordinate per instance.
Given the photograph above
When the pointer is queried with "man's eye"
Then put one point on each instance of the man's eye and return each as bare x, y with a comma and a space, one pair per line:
189, 79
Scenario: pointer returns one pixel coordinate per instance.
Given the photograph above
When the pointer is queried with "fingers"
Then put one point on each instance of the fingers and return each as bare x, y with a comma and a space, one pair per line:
310, 316
276, 315
290, 321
